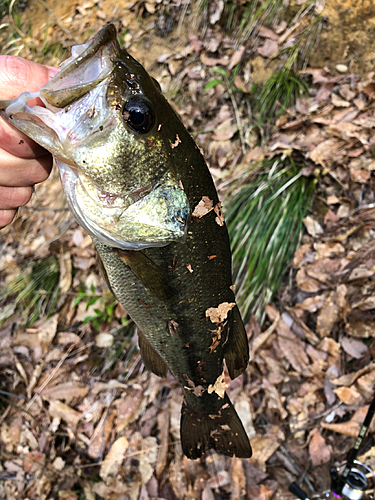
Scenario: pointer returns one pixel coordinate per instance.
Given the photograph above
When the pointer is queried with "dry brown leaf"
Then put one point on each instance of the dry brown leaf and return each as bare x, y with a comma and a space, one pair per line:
331, 346
293, 349
350, 378
318, 450
355, 348
204, 207
101, 436
269, 49
366, 384
67, 390
328, 315
265, 445
212, 61
265, 32
236, 57
323, 153
261, 492
222, 478
349, 395
220, 313
113, 460
128, 407
351, 427
64, 412
329, 249
361, 329
348, 428
312, 226
225, 130
163, 426
307, 284
336, 101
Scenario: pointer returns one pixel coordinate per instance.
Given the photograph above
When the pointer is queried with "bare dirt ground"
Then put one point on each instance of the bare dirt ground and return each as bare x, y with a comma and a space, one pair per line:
80, 417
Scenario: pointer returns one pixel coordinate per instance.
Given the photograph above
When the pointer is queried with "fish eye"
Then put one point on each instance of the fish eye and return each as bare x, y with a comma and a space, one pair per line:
139, 115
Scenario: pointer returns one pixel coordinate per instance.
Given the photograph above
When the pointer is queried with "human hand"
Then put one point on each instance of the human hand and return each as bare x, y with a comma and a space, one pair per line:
23, 163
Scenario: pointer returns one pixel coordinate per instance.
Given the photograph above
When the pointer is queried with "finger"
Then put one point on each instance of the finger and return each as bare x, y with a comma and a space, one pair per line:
14, 197
21, 173
17, 143
18, 75
6, 217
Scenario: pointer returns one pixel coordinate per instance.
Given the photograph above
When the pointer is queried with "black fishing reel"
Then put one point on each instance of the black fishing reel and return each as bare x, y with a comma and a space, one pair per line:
359, 485
352, 480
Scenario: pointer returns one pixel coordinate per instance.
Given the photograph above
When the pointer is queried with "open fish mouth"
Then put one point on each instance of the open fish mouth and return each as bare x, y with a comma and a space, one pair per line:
86, 133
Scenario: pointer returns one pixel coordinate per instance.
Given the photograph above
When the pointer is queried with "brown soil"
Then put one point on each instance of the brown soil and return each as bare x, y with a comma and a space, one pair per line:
348, 36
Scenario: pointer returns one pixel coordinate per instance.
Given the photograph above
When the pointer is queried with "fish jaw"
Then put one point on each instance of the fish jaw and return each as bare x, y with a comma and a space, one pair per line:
153, 221
85, 131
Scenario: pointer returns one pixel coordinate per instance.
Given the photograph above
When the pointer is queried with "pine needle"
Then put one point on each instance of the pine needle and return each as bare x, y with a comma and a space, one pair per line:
280, 92
264, 220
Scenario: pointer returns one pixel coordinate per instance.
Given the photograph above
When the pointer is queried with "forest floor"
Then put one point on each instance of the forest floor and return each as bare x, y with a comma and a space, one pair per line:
80, 416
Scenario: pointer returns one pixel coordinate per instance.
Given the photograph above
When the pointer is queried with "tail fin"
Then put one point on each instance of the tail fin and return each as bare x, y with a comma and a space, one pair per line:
223, 432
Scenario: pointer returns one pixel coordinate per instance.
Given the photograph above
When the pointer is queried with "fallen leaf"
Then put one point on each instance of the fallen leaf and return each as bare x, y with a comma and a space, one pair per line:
220, 313
348, 395
318, 450
64, 412
67, 390
312, 226
328, 315
204, 207
113, 460
355, 348
292, 348
269, 49
265, 445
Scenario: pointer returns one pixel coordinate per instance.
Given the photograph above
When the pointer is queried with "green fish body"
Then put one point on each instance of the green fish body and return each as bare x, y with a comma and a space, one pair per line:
137, 182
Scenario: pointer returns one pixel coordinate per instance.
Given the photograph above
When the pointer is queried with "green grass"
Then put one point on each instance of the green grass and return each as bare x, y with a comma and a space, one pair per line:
264, 217
17, 38
255, 13
35, 292
279, 92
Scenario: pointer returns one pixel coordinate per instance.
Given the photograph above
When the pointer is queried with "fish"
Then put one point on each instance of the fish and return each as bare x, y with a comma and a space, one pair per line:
138, 184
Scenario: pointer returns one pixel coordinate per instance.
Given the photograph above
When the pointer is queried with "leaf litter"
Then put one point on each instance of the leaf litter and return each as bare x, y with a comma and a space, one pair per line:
77, 402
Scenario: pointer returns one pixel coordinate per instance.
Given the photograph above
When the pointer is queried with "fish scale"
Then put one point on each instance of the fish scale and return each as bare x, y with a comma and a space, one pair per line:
137, 182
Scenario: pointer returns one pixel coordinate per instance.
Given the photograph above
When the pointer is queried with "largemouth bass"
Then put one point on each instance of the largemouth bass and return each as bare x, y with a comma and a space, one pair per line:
137, 182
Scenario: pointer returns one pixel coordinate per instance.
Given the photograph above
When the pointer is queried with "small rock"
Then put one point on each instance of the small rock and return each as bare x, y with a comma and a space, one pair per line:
342, 68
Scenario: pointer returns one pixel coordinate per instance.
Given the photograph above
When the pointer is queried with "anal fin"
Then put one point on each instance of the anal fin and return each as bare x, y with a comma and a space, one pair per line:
236, 349
151, 359
223, 432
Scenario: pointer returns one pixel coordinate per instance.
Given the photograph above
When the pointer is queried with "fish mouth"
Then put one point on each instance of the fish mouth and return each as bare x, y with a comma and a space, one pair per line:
154, 220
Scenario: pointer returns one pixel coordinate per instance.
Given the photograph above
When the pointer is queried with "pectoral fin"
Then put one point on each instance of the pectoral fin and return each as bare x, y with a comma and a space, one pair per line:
236, 349
151, 359
151, 276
